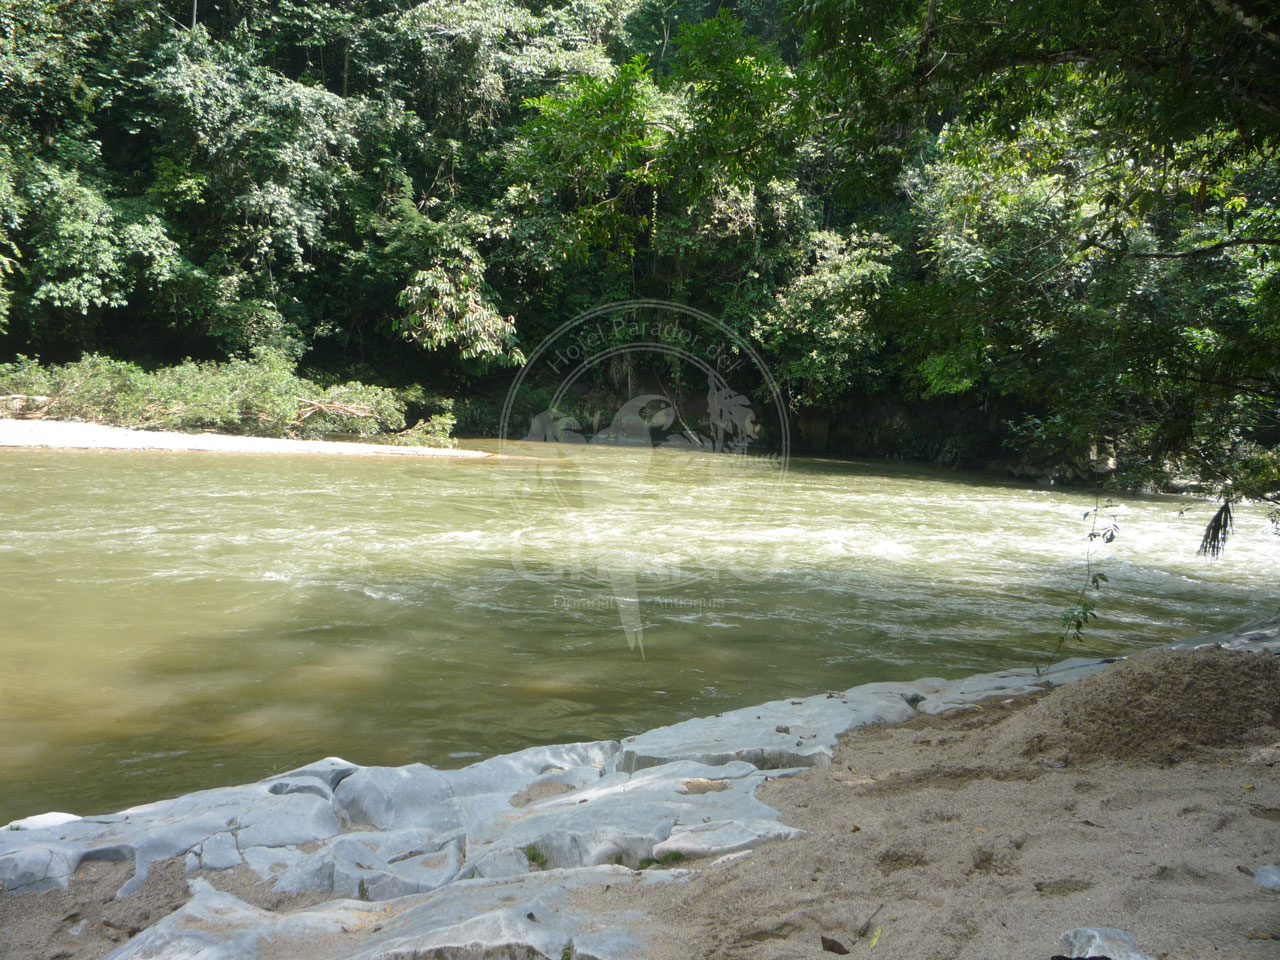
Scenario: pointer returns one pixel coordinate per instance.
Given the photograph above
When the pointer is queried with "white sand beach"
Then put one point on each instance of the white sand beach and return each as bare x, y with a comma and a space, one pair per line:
69, 435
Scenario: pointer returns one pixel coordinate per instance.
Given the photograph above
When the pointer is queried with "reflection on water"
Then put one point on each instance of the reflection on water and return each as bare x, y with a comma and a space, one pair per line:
175, 621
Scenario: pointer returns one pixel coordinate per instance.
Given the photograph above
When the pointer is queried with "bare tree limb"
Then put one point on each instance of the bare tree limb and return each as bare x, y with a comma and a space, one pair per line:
1238, 12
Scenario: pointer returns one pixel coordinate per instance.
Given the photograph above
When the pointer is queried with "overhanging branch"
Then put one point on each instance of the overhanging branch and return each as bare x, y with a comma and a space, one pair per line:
1214, 248
1251, 19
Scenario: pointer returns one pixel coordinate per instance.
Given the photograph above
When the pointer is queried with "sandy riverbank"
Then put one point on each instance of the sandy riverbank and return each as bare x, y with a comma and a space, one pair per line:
1141, 797
61, 434
1133, 799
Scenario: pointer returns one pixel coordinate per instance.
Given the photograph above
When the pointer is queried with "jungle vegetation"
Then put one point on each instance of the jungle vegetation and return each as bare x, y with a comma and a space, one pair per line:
1059, 221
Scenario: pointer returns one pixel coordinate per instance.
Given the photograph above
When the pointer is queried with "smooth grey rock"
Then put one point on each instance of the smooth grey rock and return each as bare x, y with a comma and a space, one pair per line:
751, 734
1258, 635
1102, 942
502, 863
41, 859
218, 926
51, 819
389, 797
255, 816
331, 770
1075, 668
284, 820
622, 817
590, 847
525, 917
110, 852
238, 817
1071, 665
729, 858
570, 763
507, 932
365, 865
405, 843
314, 872
312, 785
37, 868
963, 694
491, 918
709, 839
420, 796
266, 862
912, 691
219, 852
1268, 877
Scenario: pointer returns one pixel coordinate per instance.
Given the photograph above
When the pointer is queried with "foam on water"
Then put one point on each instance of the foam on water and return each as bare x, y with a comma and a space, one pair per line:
213, 618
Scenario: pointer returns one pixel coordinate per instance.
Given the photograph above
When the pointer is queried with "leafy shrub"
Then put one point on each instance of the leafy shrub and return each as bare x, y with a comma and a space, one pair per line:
259, 397
351, 408
432, 431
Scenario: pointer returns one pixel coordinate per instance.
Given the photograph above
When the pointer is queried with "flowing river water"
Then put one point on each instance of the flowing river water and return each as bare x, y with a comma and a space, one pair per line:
174, 621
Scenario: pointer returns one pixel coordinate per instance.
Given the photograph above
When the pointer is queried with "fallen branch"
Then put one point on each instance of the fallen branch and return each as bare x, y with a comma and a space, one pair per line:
35, 397
27, 406
320, 406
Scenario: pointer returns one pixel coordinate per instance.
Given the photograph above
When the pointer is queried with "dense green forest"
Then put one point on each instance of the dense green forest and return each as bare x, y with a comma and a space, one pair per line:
961, 230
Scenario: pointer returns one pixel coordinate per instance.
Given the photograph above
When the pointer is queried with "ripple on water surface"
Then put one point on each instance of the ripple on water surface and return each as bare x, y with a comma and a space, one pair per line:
174, 621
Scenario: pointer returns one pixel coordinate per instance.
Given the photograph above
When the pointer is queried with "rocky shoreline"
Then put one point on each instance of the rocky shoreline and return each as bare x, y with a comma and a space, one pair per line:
492, 860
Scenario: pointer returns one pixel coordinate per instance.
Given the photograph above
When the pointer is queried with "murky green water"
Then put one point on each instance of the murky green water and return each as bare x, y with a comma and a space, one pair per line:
171, 621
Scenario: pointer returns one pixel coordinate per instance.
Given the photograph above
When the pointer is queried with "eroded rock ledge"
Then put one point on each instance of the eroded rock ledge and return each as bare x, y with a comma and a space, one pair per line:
484, 861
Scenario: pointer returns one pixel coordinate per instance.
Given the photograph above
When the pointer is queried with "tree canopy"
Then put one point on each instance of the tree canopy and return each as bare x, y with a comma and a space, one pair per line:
1059, 221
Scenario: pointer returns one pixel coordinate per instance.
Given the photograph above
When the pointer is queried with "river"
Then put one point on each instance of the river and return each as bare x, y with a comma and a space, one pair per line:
173, 621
